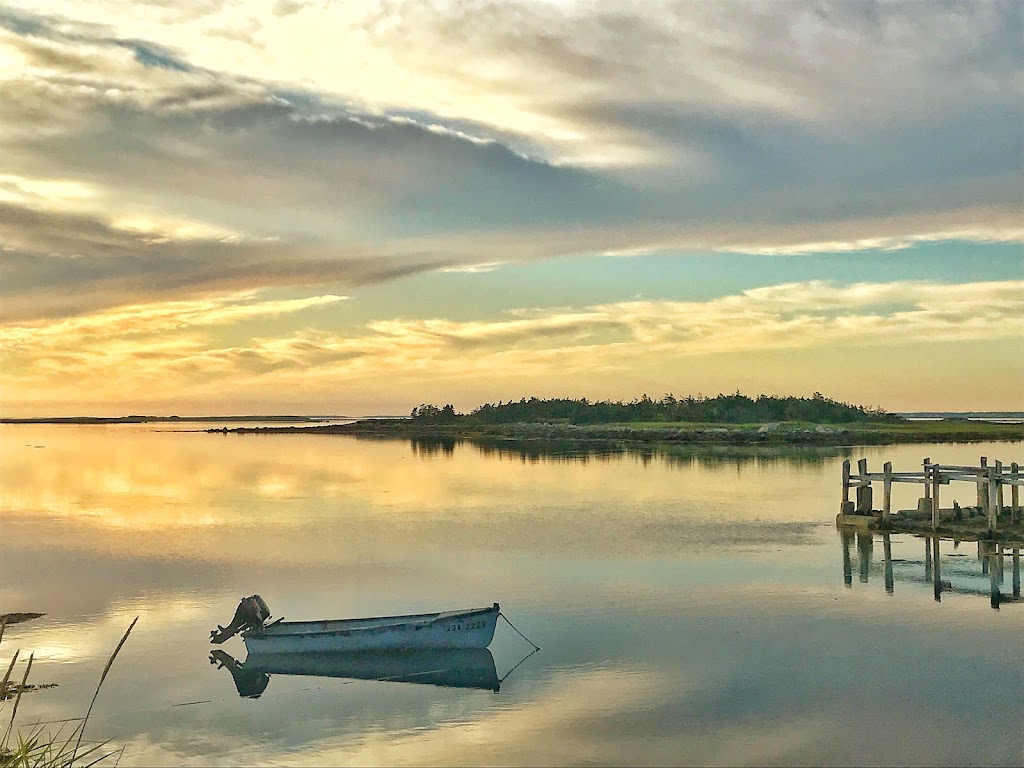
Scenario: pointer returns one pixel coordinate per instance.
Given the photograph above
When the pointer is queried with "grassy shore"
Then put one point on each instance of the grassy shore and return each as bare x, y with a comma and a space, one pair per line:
35, 746
776, 433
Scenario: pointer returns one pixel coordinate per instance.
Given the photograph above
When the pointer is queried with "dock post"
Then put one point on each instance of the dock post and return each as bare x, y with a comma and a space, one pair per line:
993, 519
999, 489
936, 476
983, 488
864, 495
887, 553
928, 558
844, 508
926, 466
887, 493
936, 570
1015, 494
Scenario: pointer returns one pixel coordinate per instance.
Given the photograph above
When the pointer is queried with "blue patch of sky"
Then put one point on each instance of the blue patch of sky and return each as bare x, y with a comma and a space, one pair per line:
150, 55
303, 100
21, 24
587, 280
679, 276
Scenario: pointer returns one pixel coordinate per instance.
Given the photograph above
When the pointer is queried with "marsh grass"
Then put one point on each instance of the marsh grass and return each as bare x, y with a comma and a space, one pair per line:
38, 747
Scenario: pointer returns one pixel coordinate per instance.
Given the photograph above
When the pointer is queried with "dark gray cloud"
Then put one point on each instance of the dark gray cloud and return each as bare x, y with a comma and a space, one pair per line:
276, 162
59, 264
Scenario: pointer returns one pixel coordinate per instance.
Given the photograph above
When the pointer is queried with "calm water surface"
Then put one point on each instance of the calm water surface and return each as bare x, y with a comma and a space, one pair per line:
694, 609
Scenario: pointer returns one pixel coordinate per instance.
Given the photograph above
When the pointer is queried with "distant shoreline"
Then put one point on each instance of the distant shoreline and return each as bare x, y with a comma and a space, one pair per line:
952, 431
910, 416
176, 419
925, 427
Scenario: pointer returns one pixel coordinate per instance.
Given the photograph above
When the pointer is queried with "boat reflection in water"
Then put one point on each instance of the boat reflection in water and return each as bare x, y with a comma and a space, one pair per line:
450, 668
960, 577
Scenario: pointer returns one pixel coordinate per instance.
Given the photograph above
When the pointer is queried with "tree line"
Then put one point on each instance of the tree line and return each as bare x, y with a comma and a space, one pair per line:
721, 408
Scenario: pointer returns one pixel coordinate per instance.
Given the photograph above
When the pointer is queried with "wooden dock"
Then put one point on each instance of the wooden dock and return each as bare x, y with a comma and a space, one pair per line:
990, 519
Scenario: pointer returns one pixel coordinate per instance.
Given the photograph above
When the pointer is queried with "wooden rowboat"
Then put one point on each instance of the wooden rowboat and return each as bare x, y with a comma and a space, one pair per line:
471, 628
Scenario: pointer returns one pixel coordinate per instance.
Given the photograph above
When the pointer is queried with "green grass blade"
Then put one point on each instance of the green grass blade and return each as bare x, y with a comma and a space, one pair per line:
17, 698
99, 685
10, 668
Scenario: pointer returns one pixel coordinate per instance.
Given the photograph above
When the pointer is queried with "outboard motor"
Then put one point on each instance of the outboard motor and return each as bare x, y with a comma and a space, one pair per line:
251, 612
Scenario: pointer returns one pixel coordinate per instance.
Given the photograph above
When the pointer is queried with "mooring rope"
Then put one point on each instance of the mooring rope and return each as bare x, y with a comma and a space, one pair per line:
503, 677
535, 646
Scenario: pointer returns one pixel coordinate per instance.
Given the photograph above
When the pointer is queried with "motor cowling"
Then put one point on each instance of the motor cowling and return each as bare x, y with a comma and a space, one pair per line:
251, 613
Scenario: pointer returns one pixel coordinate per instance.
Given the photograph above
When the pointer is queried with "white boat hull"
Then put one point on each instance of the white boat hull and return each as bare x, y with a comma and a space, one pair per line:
448, 630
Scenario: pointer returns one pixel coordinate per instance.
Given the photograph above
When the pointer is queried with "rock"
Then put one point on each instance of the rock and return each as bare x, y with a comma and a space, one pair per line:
769, 427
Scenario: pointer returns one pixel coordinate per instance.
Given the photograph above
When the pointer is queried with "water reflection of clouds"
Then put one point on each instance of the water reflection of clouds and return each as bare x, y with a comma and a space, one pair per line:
673, 629
329, 499
719, 697
733, 676
163, 469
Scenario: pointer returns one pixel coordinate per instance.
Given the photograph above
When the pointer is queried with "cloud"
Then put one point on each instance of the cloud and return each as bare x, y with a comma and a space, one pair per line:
57, 263
170, 348
155, 152
995, 234
487, 266
520, 117
796, 315
146, 319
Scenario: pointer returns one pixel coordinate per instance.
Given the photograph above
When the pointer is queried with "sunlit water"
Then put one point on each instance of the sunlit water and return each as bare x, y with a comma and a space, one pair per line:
690, 610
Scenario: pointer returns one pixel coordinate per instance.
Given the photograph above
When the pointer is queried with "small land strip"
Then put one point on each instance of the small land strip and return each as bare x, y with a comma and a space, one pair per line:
775, 433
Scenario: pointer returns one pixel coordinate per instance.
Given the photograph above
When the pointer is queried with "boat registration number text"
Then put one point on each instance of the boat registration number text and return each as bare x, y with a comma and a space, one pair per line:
465, 626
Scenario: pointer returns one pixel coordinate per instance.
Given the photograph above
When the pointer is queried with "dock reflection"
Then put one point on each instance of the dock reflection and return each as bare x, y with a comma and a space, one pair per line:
991, 559
454, 668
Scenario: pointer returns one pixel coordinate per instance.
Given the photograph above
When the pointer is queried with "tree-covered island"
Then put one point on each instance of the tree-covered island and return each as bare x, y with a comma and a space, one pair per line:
727, 419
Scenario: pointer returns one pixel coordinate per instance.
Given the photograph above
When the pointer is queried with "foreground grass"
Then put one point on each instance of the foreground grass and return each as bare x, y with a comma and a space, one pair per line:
38, 747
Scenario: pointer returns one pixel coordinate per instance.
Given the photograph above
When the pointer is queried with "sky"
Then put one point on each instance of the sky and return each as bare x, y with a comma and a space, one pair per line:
282, 206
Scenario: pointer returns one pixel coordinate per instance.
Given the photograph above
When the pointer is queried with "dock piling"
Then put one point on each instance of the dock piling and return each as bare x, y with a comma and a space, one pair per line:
993, 510
845, 506
925, 466
983, 487
864, 494
999, 489
887, 492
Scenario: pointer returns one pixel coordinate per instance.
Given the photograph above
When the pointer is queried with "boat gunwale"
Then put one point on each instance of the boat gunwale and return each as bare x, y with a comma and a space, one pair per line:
425, 619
